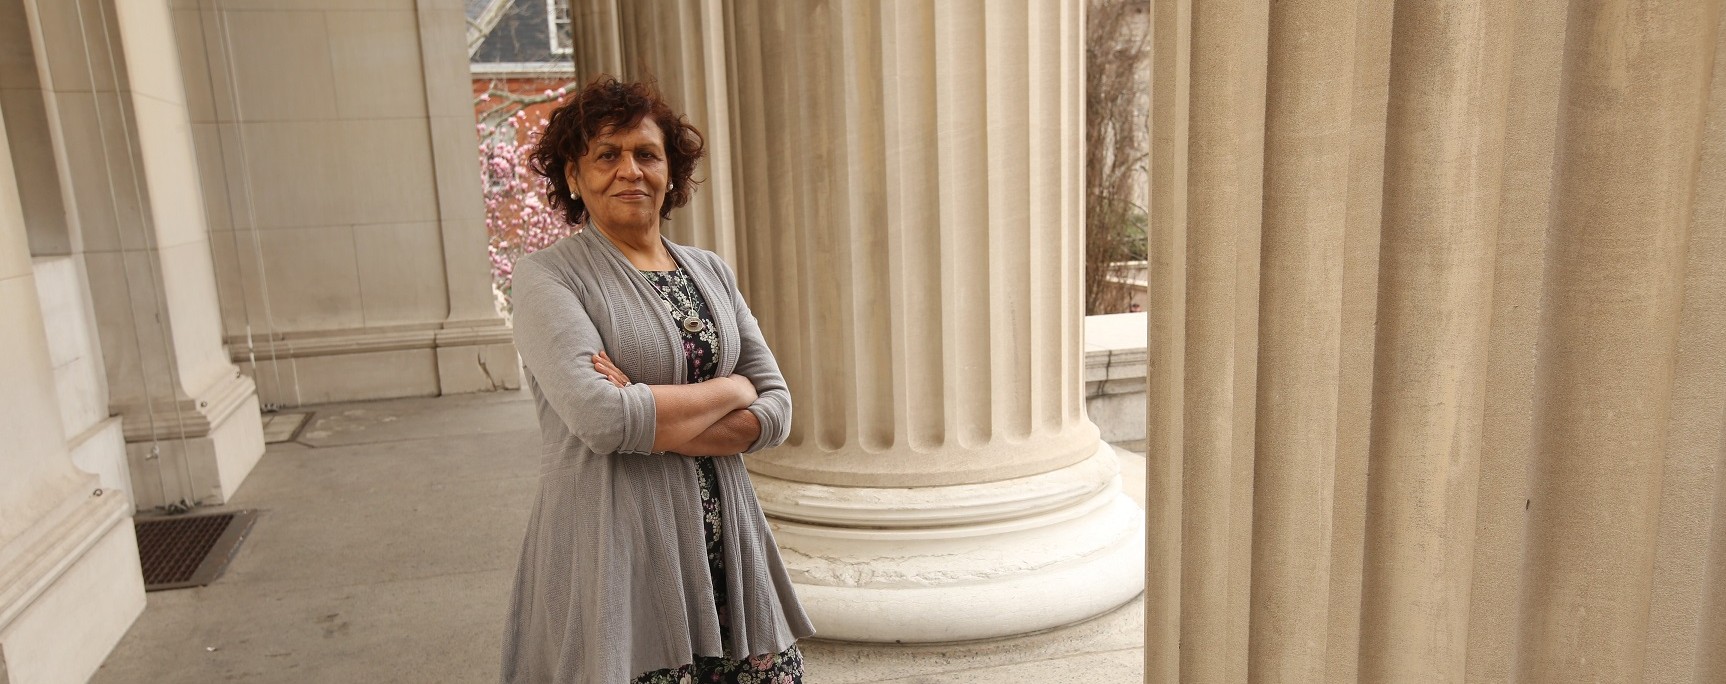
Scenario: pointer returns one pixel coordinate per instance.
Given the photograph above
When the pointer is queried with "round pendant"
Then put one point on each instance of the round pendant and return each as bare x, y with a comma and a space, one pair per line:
693, 324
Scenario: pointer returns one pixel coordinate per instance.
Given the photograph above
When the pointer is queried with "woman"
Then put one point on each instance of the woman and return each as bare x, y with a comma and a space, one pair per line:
647, 557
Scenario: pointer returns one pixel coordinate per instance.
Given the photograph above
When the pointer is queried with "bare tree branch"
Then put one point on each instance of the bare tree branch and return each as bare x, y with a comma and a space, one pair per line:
1116, 151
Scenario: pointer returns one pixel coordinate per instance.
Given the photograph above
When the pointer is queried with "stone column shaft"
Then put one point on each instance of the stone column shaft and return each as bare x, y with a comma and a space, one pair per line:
1167, 287
1490, 394
681, 45
1443, 159
1629, 145
1525, 211
1309, 88
909, 209
1225, 156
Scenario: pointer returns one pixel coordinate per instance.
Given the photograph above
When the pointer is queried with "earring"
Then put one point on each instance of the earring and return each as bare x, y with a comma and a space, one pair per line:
670, 186
574, 196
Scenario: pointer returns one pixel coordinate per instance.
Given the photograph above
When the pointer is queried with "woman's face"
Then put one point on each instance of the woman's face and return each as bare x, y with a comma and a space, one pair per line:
622, 177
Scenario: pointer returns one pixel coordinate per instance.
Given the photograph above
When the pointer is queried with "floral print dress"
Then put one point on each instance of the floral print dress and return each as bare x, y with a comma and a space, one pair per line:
700, 346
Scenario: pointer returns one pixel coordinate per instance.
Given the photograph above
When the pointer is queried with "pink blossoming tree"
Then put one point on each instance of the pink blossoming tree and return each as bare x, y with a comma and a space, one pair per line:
518, 220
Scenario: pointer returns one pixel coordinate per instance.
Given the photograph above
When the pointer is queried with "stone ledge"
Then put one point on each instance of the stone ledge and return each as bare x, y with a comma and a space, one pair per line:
76, 573
453, 357
336, 342
1115, 376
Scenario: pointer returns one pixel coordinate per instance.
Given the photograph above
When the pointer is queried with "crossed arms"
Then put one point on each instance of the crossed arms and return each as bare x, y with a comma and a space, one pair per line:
745, 412
709, 418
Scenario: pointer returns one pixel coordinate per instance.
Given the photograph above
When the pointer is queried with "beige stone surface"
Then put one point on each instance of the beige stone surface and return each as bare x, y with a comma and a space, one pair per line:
203, 65
69, 579
95, 155
238, 6
465, 245
320, 173
312, 276
188, 300
1443, 160
38, 473
17, 56
349, 377
478, 368
83, 67
38, 186
273, 86
167, 161
66, 632
682, 45
152, 59
875, 276
1467, 336
402, 277
353, 217
1500, 529
73, 348
370, 52
1622, 210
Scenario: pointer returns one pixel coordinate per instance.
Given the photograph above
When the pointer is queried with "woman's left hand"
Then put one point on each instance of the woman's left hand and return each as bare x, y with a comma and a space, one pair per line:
609, 369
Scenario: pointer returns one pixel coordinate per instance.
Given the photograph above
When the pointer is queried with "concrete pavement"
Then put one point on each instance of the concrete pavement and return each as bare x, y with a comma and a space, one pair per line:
385, 551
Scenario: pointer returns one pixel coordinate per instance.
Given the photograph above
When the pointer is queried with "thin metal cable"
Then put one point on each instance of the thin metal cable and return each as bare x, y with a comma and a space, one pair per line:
154, 264
228, 195
251, 211
120, 245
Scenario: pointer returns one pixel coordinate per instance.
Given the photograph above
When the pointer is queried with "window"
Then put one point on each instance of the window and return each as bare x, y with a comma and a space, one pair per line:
562, 33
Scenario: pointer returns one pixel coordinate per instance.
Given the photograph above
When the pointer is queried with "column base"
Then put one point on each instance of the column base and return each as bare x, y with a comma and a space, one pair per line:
69, 590
198, 452
964, 562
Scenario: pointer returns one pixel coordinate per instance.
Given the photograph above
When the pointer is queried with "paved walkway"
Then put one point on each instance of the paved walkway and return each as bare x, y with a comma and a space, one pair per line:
386, 546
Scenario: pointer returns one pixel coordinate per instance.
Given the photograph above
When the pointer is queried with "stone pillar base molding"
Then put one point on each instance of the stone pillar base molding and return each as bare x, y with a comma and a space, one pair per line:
477, 357
961, 562
195, 451
74, 573
408, 361
101, 450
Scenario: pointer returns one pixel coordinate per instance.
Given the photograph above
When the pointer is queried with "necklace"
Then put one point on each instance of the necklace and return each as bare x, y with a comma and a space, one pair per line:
690, 319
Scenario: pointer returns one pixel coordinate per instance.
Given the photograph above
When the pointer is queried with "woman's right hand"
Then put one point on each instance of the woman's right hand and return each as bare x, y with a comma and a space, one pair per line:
745, 389
609, 369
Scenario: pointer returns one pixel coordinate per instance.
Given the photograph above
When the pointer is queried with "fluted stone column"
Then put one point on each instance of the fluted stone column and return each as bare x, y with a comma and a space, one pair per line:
1434, 312
596, 37
1446, 401
680, 44
911, 217
1611, 334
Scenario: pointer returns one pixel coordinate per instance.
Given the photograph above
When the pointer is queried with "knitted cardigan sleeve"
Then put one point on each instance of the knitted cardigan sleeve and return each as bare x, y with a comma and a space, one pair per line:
557, 341
772, 407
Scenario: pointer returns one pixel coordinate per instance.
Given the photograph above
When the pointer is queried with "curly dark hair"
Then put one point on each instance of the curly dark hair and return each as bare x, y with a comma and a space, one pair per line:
603, 105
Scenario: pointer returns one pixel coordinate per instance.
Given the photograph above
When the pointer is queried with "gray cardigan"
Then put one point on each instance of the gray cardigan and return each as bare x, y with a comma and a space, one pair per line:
613, 579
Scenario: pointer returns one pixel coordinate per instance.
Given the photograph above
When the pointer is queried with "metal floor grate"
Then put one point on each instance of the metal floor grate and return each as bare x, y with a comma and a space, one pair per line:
189, 550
